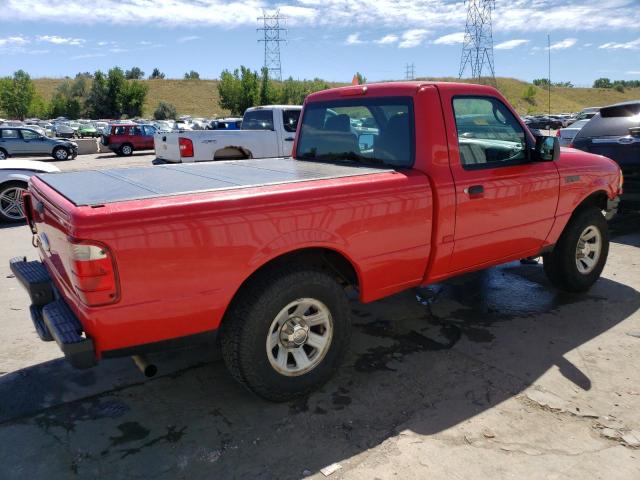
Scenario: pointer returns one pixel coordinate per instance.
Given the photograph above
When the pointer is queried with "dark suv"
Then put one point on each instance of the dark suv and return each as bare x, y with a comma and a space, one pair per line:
124, 139
615, 133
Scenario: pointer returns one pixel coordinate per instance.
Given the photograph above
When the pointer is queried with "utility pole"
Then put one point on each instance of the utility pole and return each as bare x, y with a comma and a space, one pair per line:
409, 71
477, 48
274, 33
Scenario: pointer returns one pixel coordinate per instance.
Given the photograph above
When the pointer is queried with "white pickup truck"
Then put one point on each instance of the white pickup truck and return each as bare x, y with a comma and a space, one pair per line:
266, 132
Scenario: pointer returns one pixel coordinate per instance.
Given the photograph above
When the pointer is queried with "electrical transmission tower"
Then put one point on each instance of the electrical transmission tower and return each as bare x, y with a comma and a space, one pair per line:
477, 50
409, 71
274, 34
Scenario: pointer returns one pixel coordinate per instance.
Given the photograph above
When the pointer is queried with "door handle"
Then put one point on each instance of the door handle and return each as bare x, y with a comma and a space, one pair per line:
289, 139
474, 191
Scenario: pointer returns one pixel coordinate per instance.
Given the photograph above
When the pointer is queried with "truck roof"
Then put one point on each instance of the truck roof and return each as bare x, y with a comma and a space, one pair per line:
100, 187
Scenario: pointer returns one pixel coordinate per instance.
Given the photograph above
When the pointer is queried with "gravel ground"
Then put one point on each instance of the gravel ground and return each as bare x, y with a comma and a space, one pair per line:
490, 375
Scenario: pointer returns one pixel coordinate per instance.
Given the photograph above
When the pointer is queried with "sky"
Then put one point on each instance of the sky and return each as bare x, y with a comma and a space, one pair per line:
329, 39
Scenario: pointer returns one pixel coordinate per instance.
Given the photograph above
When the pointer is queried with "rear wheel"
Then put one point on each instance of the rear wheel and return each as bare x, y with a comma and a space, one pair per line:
11, 205
60, 153
578, 258
126, 150
286, 332
3, 154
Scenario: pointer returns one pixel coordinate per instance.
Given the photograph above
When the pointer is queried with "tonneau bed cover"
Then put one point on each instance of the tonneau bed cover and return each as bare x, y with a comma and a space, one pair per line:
100, 187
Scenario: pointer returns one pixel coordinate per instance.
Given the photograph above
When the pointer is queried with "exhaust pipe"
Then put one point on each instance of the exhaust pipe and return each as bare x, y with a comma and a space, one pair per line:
148, 369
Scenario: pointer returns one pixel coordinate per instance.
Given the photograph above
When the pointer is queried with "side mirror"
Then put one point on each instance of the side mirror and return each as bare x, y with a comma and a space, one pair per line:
547, 149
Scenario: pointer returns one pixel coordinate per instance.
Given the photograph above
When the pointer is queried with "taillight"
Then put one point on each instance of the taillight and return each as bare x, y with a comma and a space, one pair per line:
186, 147
93, 274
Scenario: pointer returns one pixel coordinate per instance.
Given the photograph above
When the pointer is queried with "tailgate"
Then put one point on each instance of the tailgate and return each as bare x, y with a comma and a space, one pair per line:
50, 219
166, 146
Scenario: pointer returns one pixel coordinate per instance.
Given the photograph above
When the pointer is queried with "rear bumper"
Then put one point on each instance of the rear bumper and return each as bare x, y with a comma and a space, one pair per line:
51, 316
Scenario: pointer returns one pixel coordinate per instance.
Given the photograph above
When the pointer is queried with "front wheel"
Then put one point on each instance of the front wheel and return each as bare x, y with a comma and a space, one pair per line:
579, 257
287, 332
61, 153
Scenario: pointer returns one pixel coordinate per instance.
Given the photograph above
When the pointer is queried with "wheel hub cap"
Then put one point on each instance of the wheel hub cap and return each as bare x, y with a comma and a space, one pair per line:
299, 337
588, 249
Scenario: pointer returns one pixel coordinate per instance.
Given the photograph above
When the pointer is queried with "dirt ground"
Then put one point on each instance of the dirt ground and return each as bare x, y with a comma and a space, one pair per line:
491, 375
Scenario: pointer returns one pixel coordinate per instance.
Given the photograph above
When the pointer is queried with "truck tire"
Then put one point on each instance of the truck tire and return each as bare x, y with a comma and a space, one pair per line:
578, 258
286, 333
126, 150
60, 153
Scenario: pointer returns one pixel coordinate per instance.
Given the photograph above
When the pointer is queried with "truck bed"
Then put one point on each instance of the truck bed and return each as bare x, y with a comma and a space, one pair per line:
100, 187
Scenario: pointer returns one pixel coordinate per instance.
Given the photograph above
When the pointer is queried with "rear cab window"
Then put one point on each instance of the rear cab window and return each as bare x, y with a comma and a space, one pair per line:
489, 135
364, 130
258, 120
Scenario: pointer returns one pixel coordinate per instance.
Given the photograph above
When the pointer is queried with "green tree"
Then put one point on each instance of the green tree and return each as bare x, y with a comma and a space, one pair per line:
156, 74
529, 94
602, 83
618, 87
165, 111
229, 91
541, 82
192, 75
97, 98
39, 108
133, 96
361, 78
116, 84
267, 94
17, 94
249, 89
134, 74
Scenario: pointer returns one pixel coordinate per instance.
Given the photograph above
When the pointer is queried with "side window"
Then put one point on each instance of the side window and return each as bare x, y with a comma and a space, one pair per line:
135, 131
489, 136
29, 134
119, 130
10, 133
290, 120
258, 120
149, 130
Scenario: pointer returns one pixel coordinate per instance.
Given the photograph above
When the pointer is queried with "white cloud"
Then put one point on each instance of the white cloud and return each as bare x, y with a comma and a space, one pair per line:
509, 15
17, 40
189, 38
510, 44
633, 72
588, 44
632, 45
387, 39
450, 39
413, 38
353, 39
564, 44
56, 40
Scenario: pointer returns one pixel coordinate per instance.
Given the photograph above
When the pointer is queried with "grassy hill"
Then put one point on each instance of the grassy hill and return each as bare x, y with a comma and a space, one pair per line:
200, 97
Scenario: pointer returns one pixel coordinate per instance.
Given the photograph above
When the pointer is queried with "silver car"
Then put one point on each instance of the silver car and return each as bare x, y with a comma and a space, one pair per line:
566, 135
14, 177
21, 142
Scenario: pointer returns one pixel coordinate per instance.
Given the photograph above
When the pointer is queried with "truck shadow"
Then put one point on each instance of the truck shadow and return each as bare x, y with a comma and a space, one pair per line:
420, 361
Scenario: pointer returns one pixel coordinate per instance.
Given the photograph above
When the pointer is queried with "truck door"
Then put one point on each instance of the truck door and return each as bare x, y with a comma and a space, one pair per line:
290, 119
505, 203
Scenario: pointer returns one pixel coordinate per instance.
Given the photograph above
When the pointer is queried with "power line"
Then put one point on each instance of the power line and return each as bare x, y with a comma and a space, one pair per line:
477, 49
409, 71
274, 34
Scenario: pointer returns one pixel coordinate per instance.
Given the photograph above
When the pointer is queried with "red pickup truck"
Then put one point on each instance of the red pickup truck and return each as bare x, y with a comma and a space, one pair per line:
392, 186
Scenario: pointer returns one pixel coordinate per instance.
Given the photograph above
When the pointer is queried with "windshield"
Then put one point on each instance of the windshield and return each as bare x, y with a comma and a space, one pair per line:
366, 130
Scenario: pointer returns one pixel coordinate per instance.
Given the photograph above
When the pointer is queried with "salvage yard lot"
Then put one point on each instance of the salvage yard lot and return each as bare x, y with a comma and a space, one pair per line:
490, 375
